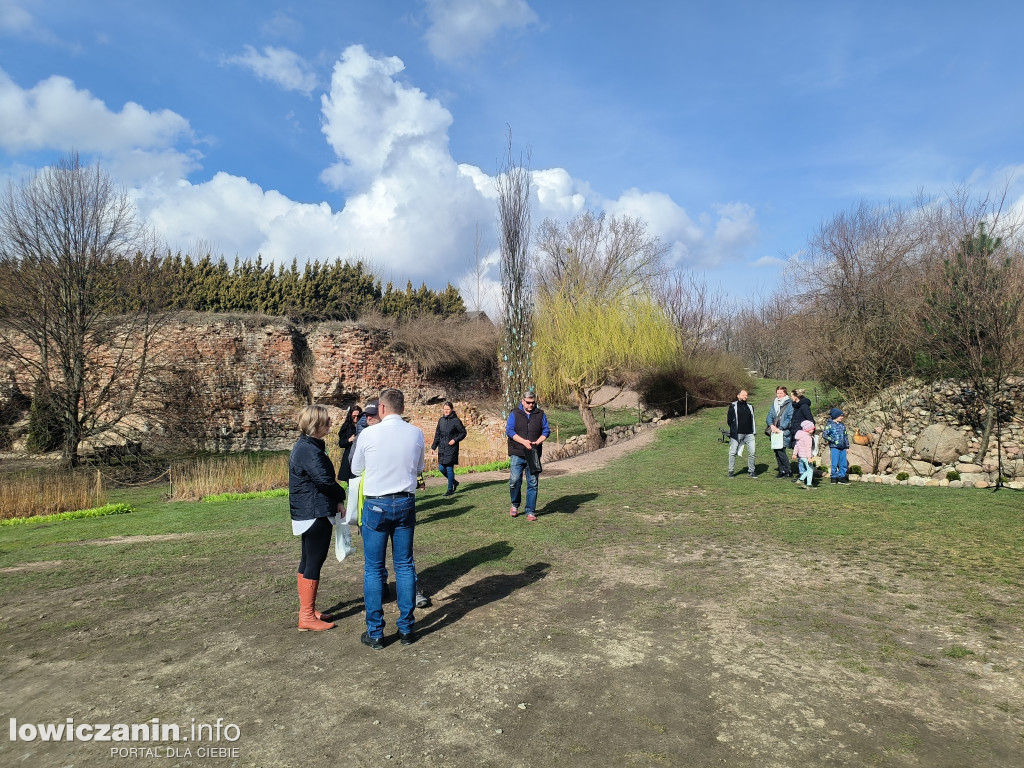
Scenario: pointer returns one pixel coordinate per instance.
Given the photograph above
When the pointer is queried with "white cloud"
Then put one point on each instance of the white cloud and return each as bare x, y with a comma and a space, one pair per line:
56, 115
769, 261
409, 206
376, 124
14, 19
243, 219
278, 65
558, 194
691, 243
461, 27
282, 25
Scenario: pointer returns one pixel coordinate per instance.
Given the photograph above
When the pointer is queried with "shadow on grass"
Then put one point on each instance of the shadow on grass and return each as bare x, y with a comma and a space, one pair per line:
441, 514
437, 577
344, 609
566, 505
489, 589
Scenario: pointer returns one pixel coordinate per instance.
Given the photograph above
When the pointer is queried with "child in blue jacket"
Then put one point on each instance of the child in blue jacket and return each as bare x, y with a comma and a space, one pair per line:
838, 441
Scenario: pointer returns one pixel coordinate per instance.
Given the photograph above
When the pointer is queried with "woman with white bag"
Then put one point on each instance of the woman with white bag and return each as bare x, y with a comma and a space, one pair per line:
778, 430
315, 501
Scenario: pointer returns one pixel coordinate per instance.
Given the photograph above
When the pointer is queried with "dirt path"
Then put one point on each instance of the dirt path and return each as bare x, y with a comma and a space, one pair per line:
586, 462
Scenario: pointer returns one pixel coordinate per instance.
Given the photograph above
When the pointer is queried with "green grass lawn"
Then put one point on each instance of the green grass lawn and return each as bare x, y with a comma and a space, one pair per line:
681, 481
658, 613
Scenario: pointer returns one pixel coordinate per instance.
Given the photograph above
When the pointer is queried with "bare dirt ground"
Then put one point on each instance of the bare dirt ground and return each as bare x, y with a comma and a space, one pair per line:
692, 653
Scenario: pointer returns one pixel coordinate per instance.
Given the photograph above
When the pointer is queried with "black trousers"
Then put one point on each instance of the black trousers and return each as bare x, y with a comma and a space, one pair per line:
316, 543
782, 459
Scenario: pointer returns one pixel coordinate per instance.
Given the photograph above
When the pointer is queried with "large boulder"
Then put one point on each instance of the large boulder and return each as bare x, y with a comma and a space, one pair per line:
913, 467
862, 456
940, 444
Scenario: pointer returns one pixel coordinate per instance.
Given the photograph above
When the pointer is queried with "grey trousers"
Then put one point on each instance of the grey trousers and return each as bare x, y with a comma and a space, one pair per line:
734, 446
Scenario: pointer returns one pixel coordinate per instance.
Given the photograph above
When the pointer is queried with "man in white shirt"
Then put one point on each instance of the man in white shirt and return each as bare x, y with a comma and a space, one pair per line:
390, 457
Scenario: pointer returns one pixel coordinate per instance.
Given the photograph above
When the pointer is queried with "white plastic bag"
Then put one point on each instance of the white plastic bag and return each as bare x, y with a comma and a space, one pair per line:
777, 441
352, 501
342, 541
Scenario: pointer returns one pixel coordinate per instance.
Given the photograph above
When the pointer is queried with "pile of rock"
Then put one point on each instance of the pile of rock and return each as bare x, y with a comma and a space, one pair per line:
932, 433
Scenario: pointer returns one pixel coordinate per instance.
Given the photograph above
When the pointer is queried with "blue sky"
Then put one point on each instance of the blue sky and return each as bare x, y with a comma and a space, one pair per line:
373, 130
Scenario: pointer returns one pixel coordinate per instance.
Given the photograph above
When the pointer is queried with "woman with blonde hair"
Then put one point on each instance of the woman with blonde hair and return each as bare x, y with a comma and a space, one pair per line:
315, 500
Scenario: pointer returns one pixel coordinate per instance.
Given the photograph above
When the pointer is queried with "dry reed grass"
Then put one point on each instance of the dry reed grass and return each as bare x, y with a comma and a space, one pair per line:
192, 480
442, 345
36, 493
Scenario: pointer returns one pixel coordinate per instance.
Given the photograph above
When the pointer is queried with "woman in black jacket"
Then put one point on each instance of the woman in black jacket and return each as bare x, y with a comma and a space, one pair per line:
801, 413
314, 499
346, 439
449, 433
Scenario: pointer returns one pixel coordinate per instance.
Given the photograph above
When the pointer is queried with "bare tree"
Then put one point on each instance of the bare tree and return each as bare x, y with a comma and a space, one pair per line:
77, 303
861, 285
516, 351
765, 336
973, 309
478, 292
594, 255
697, 311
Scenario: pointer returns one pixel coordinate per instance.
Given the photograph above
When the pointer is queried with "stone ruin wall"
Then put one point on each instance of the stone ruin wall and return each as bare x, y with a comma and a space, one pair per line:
931, 429
236, 383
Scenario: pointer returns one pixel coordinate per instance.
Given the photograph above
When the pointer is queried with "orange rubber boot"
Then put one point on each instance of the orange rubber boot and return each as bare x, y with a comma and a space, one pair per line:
307, 599
315, 611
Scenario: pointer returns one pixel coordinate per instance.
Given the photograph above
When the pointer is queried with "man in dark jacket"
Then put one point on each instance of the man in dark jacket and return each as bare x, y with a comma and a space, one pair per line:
741, 432
526, 428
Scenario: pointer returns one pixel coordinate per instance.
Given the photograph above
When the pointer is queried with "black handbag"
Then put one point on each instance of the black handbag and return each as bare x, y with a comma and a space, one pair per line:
533, 461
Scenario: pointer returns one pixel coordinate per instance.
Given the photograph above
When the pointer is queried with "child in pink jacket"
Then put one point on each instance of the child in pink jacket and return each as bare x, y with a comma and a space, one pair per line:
804, 452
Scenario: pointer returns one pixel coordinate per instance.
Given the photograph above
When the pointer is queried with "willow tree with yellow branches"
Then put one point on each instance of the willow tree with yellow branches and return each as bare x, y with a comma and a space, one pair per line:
597, 318
585, 342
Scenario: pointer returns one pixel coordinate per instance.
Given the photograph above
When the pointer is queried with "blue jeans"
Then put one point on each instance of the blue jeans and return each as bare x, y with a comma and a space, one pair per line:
393, 519
448, 470
515, 484
839, 466
807, 471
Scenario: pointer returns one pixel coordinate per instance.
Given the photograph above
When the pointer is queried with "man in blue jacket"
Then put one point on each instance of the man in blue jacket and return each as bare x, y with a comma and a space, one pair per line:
526, 429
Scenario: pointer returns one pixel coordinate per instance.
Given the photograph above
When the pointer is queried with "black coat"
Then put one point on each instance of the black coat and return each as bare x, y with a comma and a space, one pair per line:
448, 428
347, 430
312, 490
801, 413
740, 418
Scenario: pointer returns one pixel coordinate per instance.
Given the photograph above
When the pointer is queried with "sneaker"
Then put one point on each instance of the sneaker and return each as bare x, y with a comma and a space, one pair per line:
449, 493
752, 476
531, 517
732, 474
513, 511
373, 642
422, 601
408, 639
457, 484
